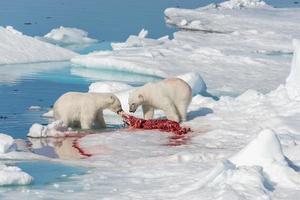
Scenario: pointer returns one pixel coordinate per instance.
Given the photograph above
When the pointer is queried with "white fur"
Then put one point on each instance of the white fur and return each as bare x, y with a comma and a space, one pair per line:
85, 109
173, 96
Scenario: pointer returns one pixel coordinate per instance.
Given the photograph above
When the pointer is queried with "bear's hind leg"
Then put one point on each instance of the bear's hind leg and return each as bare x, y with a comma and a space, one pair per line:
148, 111
171, 112
86, 122
182, 110
100, 122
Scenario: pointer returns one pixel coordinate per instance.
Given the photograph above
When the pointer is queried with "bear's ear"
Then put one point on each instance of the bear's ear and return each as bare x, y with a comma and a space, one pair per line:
141, 97
112, 99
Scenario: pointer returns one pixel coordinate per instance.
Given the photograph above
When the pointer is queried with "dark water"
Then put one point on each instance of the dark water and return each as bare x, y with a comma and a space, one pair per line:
111, 20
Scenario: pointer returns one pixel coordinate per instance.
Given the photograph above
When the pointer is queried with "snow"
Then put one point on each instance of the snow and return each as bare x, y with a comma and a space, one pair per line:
266, 151
19, 48
108, 87
68, 37
10, 175
6, 142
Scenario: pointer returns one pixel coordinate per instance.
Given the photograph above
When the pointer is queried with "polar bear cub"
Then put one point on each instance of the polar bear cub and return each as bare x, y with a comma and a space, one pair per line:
172, 95
85, 110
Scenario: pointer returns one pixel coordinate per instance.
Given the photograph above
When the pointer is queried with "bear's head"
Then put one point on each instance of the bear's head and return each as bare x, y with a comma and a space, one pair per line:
135, 100
115, 104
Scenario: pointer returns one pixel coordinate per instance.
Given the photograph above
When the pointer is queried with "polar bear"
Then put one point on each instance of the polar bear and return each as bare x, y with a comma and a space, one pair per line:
85, 110
172, 95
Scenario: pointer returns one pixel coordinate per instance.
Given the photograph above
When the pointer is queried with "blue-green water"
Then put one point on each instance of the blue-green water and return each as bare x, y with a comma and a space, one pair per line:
45, 173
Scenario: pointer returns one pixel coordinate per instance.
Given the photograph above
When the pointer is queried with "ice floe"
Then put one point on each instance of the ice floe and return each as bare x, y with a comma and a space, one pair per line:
72, 38
19, 48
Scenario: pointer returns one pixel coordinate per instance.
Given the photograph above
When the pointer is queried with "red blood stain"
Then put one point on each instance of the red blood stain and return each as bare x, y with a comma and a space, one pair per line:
81, 151
160, 124
166, 125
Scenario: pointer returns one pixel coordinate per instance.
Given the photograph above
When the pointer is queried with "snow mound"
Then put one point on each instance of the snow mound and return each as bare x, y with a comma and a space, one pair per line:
233, 4
106, 87
229, 182
68, 36
6, 142
19, 48
293, 81
10, 175
266, 151
54, 129
196, 82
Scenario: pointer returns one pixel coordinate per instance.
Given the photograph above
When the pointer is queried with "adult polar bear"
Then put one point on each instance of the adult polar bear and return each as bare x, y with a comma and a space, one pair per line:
85, 109
172, 95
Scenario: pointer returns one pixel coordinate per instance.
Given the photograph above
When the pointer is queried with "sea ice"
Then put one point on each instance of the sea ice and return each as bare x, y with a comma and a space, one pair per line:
19, 48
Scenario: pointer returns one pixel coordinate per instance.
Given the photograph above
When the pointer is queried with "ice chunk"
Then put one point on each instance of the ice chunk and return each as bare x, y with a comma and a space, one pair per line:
196, 82
293, 80
143, 33
19, 48
106, 87
35, 108
10, 175
6, 142
54, 129
48, 114
140, 40
68, 36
